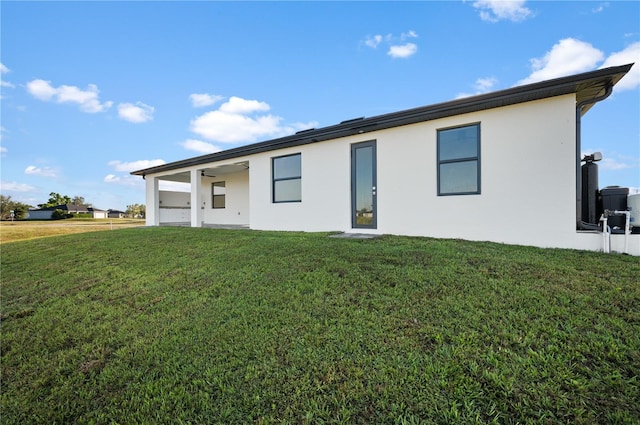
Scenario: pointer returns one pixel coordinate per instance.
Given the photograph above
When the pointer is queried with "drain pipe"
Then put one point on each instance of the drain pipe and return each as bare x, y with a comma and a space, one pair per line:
606, 231
607, 93
627, 229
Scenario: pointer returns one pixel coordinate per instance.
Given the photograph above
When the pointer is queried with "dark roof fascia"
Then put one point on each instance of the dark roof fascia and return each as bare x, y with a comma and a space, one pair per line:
589, 83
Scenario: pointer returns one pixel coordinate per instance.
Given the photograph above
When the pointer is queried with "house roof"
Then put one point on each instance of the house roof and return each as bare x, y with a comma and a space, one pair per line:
588, 85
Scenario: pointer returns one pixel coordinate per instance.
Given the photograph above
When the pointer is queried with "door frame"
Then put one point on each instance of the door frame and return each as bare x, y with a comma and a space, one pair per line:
354, 148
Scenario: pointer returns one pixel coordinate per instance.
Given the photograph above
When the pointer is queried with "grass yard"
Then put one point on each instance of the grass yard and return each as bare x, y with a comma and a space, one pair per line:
208, 326
11, 231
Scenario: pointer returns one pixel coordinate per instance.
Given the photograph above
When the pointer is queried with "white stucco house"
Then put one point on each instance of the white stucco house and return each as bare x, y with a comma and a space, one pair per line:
503, 167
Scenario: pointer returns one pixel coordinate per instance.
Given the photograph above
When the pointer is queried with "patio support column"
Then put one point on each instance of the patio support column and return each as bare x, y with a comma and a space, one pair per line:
152, 216
197, 213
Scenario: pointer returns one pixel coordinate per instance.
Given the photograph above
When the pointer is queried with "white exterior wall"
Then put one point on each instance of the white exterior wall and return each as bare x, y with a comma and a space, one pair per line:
527, 160
236, 210
326, 190
175, 207
172, 199
527, 179
175, 215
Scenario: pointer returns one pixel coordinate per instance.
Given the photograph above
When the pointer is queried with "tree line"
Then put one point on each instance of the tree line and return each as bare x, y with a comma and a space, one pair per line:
19, 210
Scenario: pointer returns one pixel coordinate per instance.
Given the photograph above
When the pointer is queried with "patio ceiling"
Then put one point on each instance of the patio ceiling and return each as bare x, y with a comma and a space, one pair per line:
221, 170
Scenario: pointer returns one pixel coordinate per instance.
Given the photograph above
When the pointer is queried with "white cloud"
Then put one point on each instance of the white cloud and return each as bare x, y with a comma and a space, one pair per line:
136, 113
43, 172
41, 89
15, 187
234, 128
396, 50
86, 99
613, 161
299, 126
239, 121
3, 151
599, 8
127, 167
568, 56
4, 70
238, 105
628, 55
410, 34
481, 86
374, 41
199, 100
199, 146
403, 51
498, 10
125, 180
613, 164
135, 165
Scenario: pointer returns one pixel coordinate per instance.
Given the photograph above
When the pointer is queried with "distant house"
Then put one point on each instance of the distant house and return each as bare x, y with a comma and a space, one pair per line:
502, 167
84, 210
117, 214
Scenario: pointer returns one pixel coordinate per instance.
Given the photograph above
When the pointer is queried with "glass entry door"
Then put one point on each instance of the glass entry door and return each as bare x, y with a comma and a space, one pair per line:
363, 185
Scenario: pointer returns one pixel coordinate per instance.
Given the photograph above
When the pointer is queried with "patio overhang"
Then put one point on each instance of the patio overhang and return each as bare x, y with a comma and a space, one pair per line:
184, 176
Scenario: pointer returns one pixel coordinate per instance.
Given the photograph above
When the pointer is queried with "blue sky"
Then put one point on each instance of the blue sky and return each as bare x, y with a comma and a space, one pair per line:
94, 90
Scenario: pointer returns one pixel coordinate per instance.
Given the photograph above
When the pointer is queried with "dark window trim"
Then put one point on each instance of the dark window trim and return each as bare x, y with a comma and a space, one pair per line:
476, 159
274, 180
214, 196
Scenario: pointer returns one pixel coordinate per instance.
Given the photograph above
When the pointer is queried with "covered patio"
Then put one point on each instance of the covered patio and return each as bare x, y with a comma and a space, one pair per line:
229, 183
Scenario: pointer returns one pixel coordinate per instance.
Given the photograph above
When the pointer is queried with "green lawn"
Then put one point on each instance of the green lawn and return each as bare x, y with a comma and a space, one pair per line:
12, 231
207, 326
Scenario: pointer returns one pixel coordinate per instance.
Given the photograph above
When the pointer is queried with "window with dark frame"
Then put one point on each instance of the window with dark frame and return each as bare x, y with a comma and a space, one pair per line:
219, 194
459, 160
286, 178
